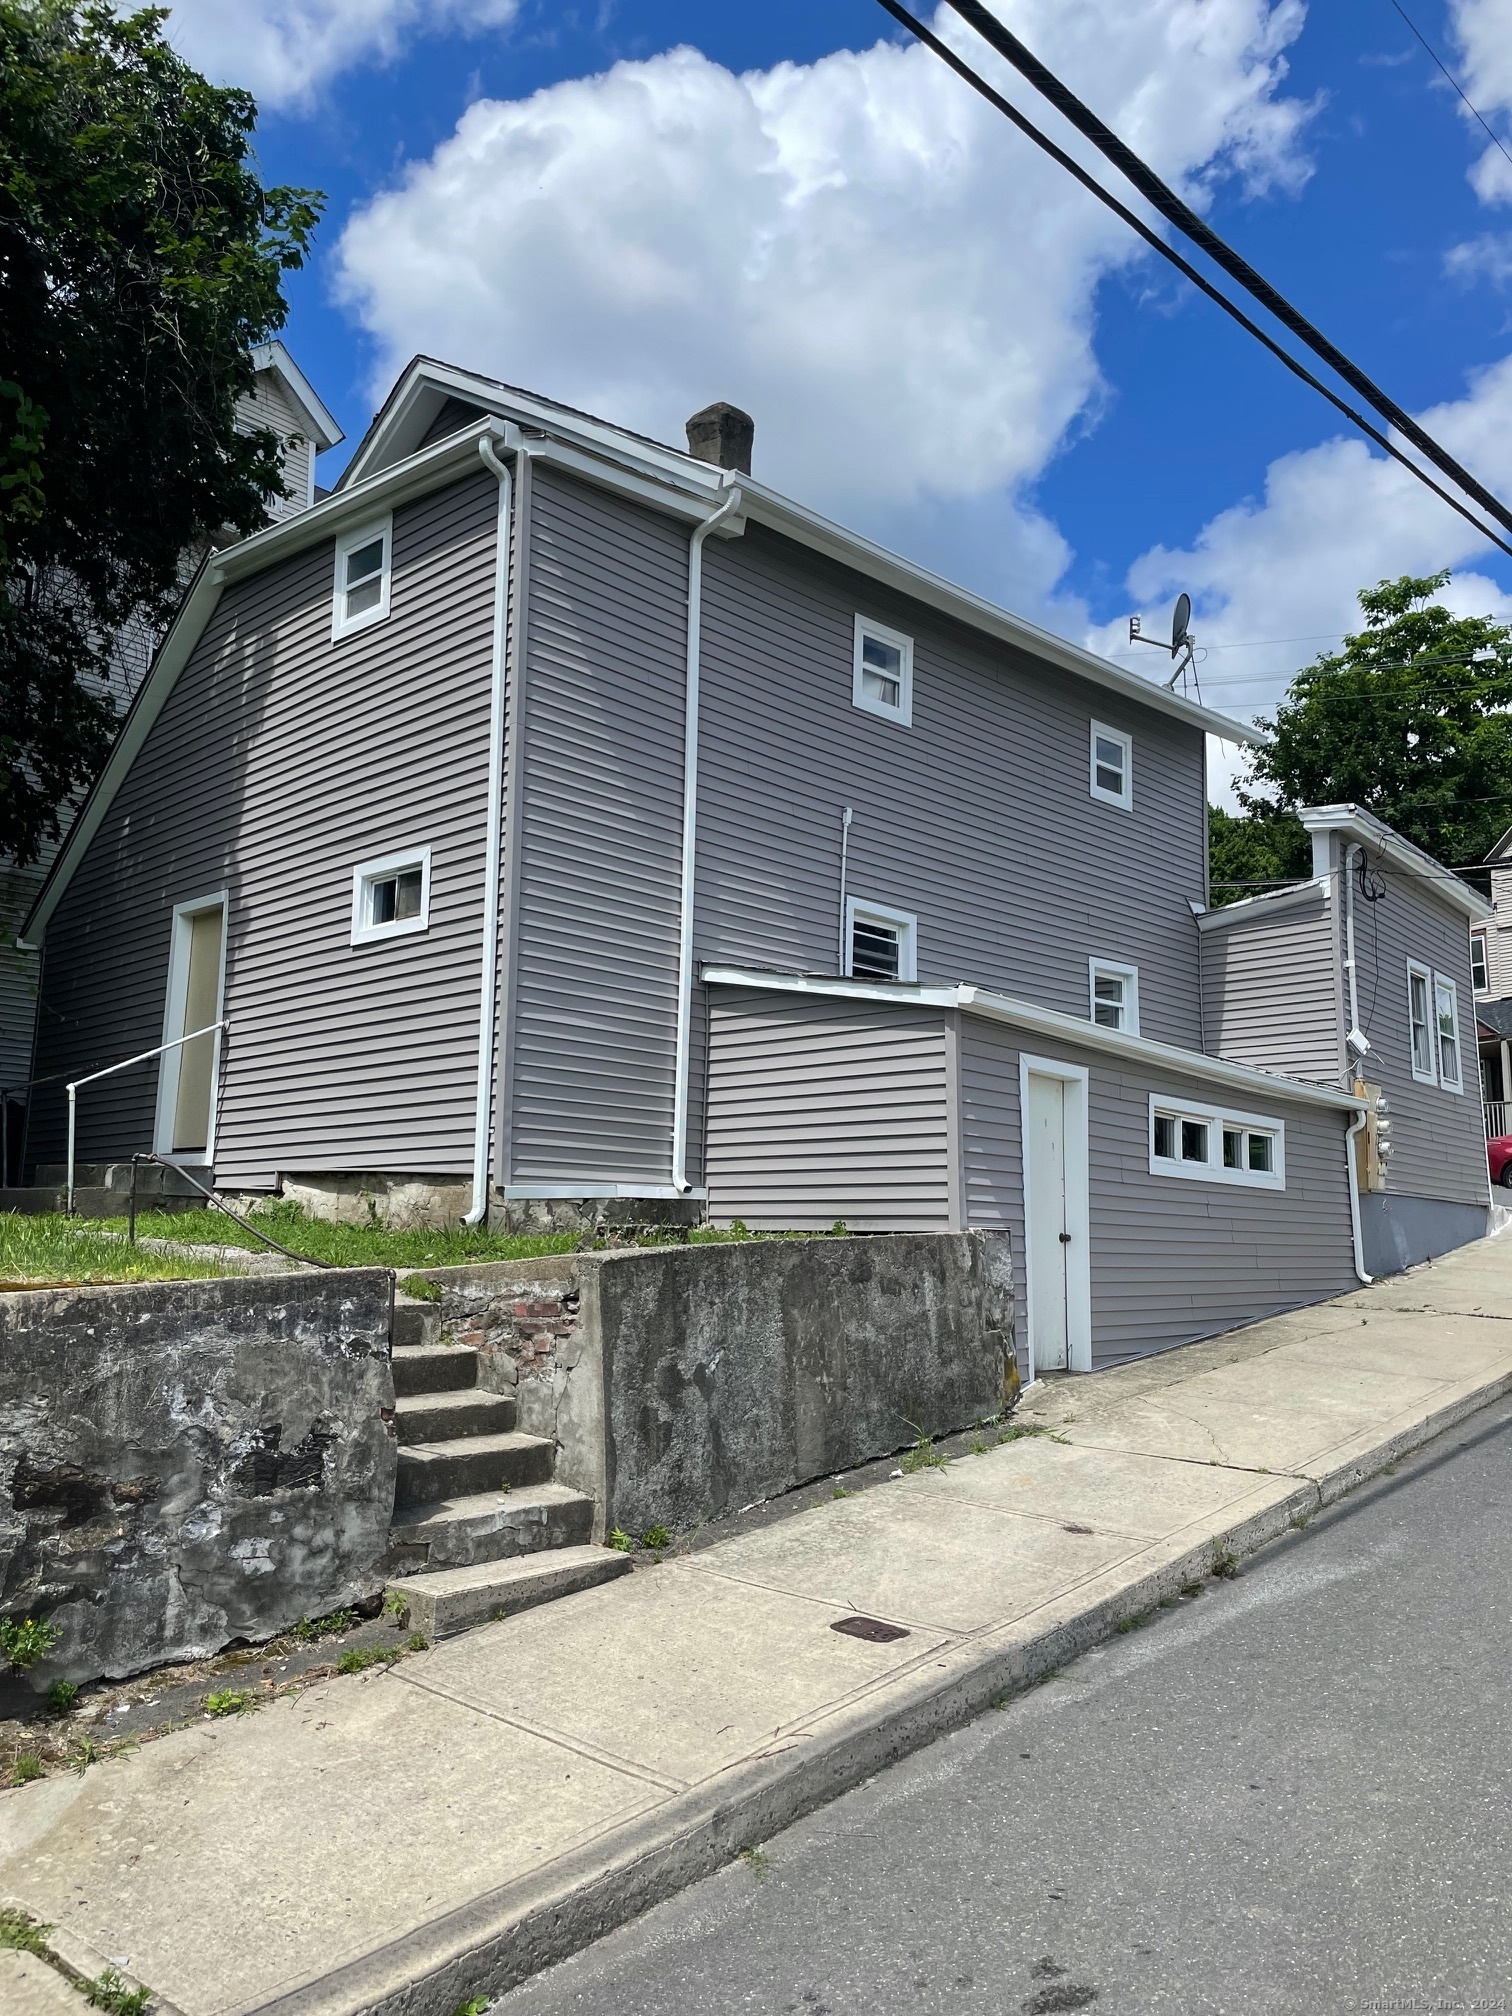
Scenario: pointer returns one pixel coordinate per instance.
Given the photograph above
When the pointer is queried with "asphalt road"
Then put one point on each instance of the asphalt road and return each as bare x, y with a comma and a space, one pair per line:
1291, 1793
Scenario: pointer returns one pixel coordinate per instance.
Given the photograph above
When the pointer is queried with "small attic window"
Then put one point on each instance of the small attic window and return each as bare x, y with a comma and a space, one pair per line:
363, 570
882, 673
1112, 765
881, 944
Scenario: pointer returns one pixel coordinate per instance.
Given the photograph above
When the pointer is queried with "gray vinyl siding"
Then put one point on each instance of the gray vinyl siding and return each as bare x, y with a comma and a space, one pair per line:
266, 405
279, 762
1172, 1259
596, 930
1270, 993
1438, 1137
824, 1110
978, 818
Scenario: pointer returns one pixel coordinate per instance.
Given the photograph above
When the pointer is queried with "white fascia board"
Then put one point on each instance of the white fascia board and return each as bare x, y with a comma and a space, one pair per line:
1355, 823
320, 422
1246, 909
685, 473
1047, 1022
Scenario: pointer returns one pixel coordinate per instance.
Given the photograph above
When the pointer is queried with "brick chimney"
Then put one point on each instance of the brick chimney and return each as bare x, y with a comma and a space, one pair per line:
722, 434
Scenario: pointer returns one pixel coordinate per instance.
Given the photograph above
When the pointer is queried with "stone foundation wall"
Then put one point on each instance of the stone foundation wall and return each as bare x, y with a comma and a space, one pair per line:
187, 1463
684, 1382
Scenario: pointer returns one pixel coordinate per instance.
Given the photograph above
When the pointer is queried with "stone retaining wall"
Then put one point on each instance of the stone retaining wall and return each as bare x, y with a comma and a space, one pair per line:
187, 1463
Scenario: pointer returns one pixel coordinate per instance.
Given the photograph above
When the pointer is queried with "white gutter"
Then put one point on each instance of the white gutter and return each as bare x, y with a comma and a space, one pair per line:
1351, 1135
1353, 822
488, 1004
701, 532
1047, 1022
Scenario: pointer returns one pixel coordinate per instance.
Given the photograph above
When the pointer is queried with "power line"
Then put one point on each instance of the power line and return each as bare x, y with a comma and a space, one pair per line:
1170, 206
1492, 136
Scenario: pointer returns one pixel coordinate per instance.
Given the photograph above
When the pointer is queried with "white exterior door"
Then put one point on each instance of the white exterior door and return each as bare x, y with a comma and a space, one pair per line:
189, 1074
1057, 1260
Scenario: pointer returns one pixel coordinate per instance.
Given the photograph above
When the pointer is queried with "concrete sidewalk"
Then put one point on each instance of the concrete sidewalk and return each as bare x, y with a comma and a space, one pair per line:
408, 1839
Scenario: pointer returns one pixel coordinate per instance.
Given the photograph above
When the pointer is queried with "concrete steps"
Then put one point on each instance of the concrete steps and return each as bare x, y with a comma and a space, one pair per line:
456, 1597
489, 1526
480, 1527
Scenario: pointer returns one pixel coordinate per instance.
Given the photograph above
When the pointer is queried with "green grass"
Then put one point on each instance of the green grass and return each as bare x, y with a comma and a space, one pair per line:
21, 1933
109, 1992
53, 1251
27, 1767
361, 1657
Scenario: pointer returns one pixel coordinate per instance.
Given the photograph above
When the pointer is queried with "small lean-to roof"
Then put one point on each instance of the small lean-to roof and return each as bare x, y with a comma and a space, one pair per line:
393, 464
1355, 823
1048, 1023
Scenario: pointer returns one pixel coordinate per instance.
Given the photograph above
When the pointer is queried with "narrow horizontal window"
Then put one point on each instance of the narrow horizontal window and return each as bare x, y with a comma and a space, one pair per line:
1115, 995
880, 942
882, 672
363, 573
1112, 765
1216, 1147
391, 897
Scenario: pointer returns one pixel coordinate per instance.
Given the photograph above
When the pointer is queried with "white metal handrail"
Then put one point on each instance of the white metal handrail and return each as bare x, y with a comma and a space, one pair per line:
110, 1070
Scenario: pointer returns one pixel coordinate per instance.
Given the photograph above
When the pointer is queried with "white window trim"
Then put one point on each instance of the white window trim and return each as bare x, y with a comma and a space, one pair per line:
1123, 799
1480, 938
1215, 1119
903, 921
173, 1020
376, 870
1456, 1084
343, 625
1113, 970
902, 714
1417, 971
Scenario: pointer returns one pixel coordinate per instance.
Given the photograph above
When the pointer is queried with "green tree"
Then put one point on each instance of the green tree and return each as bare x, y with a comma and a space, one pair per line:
1409, 719
140, 260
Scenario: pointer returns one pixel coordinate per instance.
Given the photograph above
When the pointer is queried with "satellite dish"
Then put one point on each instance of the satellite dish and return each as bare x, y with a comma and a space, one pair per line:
1180, 623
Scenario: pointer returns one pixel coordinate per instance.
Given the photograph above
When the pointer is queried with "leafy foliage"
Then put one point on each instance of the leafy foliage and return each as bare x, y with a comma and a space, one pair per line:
140, 260
1411, 719
23, 1641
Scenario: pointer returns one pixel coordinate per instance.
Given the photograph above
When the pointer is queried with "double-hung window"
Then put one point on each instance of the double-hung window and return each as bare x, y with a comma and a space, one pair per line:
882, 672
881, 944
1112, 755
1433, 1028
1212, 1145
1114, 995
391, 896
1480, 977
364, 565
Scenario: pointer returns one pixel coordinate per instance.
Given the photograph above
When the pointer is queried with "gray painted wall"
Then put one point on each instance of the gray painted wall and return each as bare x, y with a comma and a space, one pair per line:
280, 761
1270, 987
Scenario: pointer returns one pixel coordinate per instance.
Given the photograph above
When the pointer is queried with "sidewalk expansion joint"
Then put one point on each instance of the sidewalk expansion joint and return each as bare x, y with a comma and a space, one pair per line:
576, 1746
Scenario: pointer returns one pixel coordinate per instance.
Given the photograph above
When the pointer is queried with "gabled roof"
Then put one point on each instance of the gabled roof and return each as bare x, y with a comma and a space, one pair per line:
391, 466
1355, 823
319, 424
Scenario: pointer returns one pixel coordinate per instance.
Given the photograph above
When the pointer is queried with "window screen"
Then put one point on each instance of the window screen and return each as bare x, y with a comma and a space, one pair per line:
876, 949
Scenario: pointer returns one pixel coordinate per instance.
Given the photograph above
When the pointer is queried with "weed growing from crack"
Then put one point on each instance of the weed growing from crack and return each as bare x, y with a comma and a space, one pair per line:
27, 1767
21, 1932
308, 1629
757, 1862
417, 1642
109, 1992
1191, 1588
1224, 1564
418, 1288
61, 1696
395, 1606
1138, 1622
82, 1754
979, 1445
656, 1536
621, 1541
23, 1643
924, 1456
840, 1491
229, 1701
362, 1656
476, 2007
1301, 1523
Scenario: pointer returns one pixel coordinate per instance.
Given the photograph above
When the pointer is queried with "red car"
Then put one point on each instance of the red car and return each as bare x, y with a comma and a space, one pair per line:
1499, 1155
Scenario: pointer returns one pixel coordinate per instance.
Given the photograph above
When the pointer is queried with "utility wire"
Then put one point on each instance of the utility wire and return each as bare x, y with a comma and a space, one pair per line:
1185, 219
1492, 136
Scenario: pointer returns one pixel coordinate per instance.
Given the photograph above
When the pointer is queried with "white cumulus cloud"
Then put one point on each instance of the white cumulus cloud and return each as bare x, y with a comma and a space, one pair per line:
858, 250
1482, 29
285, 51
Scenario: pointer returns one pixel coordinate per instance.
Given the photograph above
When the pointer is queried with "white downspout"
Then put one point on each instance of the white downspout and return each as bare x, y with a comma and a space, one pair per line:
494, 849
1358, 1041
1350, 1137
701, 532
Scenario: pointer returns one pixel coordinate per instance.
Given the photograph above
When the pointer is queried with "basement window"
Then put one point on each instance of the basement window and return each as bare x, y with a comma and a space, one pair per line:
1115, 995
882, 672
1112, 765
363, 570
880, 943
391, 897
1213, 1146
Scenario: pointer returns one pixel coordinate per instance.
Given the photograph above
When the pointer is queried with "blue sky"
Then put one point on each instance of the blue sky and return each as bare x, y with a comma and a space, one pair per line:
1052, 419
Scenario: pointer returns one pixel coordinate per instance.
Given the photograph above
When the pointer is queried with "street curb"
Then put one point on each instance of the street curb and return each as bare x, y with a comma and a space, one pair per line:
496, 1941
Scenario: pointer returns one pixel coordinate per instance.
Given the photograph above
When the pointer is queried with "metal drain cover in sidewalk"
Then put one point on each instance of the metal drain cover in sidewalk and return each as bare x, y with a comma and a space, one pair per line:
872, 1629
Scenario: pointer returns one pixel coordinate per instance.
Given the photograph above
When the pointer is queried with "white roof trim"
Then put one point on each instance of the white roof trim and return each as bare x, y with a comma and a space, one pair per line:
1047, 1022
1272, 899
678, 471
1358, 824
320, 422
